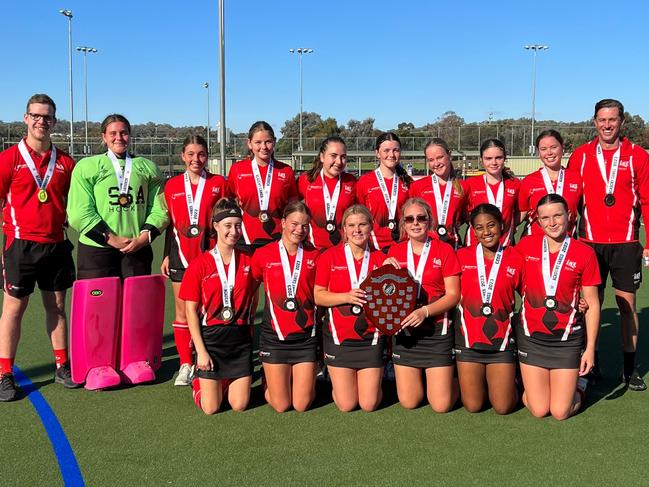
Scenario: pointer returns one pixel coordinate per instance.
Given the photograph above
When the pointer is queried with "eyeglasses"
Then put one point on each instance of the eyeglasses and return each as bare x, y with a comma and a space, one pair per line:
417, 218
36, 117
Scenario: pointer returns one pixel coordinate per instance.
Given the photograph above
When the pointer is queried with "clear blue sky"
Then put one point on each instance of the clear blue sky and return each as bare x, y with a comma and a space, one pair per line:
394, 61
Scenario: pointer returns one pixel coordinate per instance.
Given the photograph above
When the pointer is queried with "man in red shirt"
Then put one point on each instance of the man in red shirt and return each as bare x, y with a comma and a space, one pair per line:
615, 180
34, 183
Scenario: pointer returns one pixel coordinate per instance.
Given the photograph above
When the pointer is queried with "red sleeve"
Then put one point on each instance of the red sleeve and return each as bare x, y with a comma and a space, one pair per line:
231, 185
591, 276
302, 184
190, 288
575, 160
360, 191
257, 265
6, 173
323, 269
450, 262
523, 195
292, 187
643, 188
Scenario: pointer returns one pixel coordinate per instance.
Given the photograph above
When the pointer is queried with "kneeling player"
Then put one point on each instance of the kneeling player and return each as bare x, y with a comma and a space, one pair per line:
219, 286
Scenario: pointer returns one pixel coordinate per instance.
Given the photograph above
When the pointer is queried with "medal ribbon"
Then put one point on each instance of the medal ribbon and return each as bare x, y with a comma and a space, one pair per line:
194, 204
330, 201
498, 200
548, 182
442, 205
390, 201
610, 182
123, 178
487, 286
423, 258
550, 282
263, 190
227, 282
41, 183
351, 267
290, 280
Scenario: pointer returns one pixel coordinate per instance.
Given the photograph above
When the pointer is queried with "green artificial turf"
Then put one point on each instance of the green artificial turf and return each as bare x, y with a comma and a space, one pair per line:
154, 435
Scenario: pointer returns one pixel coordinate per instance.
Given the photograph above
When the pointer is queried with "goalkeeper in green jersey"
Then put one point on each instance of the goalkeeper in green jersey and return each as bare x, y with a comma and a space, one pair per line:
116, 203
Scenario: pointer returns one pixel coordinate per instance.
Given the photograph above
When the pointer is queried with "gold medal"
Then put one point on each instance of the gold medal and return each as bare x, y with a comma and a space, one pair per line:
42, 195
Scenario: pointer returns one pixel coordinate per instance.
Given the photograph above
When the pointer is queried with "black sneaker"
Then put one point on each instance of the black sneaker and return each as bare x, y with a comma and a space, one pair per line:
594, 376
8, 389
64, 376
634, 381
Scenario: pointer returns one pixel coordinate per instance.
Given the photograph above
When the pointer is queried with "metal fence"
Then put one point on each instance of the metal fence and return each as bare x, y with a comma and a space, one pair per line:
465, 142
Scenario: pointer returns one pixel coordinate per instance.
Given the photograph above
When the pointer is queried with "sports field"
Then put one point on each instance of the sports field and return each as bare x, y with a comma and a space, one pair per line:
154, 435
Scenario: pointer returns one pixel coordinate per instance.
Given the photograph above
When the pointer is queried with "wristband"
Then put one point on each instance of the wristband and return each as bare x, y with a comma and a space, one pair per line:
148, 233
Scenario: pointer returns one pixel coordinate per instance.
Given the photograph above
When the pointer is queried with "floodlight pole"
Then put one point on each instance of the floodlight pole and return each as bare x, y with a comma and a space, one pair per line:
534, 48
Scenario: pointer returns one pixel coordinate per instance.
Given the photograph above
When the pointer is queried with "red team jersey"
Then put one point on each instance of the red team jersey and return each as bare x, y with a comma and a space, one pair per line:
185, 248
533, 189
423, 188
243, 187
442, 262
332, 274
201, 284
476, 194
621, 222
475, 330
368, 193
278, 322
313, 197
24, 216
580, 269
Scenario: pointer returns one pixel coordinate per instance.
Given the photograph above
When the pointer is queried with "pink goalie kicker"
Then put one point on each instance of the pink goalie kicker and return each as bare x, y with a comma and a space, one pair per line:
143, 307
94, 323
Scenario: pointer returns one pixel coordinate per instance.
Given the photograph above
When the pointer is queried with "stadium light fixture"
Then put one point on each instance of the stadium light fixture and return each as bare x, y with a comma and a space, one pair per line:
300, 51
534, 48
85, 50
68, 14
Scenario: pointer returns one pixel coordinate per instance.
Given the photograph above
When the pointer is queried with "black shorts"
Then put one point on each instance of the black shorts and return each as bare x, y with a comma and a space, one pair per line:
275, 351
93, 262
623, 262
423, 352
230, 348
176, 275
26, 263
360, 355
550, 354
463, 354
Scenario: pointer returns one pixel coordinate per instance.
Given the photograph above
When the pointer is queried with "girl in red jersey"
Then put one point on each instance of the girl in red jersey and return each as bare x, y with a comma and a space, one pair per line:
555, 351
219, 285
352, 346
327, 190
551, 178
441, 191
425, 343
484, 344
497, 186
288, 341
190, 198
262, 186
384, 190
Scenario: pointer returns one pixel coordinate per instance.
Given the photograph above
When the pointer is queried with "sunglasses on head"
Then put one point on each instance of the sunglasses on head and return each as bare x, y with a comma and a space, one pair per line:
415, 218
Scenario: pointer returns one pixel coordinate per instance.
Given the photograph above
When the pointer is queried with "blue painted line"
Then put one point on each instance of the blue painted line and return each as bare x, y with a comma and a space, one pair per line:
64, 455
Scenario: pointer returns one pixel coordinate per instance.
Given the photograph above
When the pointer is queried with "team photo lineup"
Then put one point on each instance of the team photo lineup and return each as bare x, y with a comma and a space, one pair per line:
482, 292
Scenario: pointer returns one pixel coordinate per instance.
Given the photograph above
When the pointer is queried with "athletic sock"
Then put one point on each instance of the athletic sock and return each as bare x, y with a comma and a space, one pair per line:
6, 365
196, 392
183, 339
60, 356
629, 363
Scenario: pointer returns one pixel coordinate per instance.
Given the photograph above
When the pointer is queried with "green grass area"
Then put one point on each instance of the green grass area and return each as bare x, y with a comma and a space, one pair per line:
154, 435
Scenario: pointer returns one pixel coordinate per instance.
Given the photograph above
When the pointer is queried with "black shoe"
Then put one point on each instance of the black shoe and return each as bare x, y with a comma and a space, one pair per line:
634, 381
64, 376
594, 376
8, 389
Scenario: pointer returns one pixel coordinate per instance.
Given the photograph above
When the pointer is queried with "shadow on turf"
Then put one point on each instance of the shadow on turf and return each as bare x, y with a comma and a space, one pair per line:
610, 356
